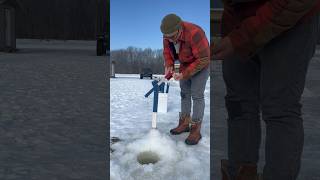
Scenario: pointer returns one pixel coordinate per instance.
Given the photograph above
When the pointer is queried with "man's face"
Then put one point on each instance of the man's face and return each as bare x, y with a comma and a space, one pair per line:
173, 37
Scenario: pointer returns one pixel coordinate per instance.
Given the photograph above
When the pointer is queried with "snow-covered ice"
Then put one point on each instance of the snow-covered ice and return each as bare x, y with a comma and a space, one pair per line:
131, 115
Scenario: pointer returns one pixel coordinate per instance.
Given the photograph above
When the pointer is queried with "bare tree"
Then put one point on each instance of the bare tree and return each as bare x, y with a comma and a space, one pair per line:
132, 60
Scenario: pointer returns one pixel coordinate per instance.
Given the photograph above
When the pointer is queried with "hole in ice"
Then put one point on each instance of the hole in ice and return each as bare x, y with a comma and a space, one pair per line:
147, 157
115, 140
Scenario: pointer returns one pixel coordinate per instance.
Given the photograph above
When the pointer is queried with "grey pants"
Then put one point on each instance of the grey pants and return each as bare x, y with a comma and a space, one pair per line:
194, 88
272, 83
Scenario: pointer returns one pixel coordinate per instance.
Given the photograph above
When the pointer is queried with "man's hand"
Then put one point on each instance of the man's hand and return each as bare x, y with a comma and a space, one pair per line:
177, 76
168, 70
222, 49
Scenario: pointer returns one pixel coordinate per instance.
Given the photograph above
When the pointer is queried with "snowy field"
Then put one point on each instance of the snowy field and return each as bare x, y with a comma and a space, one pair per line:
131, 115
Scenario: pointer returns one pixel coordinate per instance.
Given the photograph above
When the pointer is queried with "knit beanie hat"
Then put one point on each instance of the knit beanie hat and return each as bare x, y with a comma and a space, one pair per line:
170, 23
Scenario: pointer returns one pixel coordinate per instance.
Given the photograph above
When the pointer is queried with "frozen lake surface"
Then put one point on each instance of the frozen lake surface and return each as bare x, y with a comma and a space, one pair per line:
131, 115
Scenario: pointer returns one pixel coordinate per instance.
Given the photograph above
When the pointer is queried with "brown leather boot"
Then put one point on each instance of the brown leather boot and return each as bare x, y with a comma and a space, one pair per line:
183, 125
195, 135
246, 171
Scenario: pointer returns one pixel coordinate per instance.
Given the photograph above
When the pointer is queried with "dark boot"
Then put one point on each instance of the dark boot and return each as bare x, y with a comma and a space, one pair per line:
245, 171
195, 135
183, 125
224, 170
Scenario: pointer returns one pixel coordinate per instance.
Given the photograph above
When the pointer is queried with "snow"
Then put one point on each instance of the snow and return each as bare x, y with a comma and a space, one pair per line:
131, 115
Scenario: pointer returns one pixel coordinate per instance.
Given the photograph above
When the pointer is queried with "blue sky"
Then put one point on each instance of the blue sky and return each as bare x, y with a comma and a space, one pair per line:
137, 22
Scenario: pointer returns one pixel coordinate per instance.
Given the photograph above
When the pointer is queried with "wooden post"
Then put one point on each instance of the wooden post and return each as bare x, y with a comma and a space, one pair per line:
113, 71
2, 28
10, 29
7, 29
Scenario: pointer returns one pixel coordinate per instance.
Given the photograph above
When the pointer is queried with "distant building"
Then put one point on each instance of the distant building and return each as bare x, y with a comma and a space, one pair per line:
7, 25
62, 19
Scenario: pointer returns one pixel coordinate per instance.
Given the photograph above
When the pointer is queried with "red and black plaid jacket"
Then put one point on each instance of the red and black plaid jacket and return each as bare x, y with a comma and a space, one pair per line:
194, 50
250, 25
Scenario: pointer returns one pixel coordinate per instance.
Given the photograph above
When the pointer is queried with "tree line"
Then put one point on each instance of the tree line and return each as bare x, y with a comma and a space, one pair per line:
132, 60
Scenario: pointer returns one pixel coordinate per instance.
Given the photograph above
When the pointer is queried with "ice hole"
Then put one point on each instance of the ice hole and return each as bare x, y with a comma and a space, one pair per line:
147, 157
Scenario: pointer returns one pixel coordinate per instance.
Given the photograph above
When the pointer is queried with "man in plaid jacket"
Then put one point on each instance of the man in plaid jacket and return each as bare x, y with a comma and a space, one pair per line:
187, 43
266, 48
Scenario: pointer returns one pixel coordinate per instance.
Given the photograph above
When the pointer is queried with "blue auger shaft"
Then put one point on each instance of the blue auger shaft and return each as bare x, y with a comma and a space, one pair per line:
151, 90
154, 83
161, 87
155, 98
167, 91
